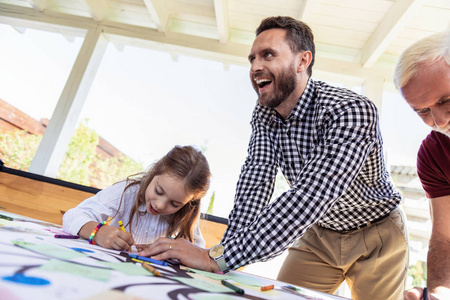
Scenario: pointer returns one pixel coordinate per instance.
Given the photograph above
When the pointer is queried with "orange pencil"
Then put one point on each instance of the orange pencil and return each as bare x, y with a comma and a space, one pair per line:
151, 269
266, 288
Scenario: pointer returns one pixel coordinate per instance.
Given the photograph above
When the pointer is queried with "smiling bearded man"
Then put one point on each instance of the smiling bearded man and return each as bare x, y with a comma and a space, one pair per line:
340, 218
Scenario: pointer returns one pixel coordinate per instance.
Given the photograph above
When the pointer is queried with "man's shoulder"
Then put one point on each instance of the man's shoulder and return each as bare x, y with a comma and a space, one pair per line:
333, 94
435, 142
433, 165
435, 149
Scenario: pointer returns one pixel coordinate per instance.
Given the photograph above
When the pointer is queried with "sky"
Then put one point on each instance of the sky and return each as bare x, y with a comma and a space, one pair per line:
144, 102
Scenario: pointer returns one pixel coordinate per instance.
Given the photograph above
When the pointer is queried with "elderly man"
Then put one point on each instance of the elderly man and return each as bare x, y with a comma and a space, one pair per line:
341, 214
423, 77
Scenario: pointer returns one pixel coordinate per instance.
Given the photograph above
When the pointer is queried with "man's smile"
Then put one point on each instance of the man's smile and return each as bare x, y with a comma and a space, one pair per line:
262, 83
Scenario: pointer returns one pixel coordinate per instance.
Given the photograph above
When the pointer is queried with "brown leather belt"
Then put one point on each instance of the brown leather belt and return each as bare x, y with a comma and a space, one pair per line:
367, 224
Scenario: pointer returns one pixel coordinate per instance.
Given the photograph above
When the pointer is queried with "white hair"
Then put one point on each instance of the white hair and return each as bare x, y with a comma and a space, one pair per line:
425, 51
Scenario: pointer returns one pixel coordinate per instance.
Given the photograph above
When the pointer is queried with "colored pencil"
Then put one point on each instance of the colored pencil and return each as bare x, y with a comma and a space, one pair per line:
151, 269
266, 288
233, 287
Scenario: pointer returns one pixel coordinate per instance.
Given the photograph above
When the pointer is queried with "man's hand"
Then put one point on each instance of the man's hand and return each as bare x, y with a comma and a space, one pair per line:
187, 253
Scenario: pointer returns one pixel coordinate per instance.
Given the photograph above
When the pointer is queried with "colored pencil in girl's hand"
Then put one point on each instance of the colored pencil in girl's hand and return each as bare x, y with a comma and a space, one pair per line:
123, 229
121, 226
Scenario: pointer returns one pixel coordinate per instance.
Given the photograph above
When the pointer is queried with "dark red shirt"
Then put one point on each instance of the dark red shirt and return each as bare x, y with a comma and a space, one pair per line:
433, 165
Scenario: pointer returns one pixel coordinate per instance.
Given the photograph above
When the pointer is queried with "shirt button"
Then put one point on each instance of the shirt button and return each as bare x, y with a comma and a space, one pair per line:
288, 133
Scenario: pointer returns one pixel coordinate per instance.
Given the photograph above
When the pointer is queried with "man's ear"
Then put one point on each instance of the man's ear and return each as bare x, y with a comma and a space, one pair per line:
304, 59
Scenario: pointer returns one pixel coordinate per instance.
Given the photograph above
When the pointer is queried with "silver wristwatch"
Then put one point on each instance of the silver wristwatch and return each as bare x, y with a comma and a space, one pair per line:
216, 253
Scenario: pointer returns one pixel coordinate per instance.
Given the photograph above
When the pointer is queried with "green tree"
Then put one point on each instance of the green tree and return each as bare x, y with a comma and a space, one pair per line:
79, 156
82, 163
17, 148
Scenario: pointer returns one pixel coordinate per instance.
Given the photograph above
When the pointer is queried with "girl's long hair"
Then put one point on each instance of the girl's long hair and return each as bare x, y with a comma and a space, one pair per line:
185, 163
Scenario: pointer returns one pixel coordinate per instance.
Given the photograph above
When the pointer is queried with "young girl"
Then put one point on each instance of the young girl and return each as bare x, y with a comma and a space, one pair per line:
165, 201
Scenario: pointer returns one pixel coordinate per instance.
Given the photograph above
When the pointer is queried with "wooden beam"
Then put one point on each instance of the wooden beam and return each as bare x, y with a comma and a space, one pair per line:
159, 13
221, 9
394, 21
98, 9
306, 9
56, 138
207, 48
47, 21
191, 45
19, 29
39, 5
69, 38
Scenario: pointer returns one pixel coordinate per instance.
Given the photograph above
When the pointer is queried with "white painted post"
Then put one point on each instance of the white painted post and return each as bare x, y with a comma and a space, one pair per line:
62, 125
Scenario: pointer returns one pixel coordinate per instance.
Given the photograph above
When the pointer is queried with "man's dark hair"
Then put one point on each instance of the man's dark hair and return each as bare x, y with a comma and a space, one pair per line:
298, 35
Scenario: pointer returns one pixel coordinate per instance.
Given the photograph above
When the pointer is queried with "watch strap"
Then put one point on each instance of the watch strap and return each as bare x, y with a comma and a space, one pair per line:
222, 265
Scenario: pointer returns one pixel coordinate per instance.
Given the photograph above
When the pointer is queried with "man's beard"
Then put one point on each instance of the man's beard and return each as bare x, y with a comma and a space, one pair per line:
285, 86
445, 132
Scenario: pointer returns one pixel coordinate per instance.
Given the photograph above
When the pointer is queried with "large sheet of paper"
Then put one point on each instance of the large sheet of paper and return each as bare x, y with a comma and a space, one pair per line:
36, 265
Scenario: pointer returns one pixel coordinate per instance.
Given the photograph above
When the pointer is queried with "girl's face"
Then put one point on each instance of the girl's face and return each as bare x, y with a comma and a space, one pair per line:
165, 195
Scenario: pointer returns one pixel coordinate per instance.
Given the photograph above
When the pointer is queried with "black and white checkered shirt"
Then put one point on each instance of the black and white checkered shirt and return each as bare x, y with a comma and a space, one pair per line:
330, 151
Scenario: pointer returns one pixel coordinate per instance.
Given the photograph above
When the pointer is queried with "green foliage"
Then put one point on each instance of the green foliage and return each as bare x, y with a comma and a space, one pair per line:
209, 211
17, 148
118, 168
418, 273
82, 163
79, 156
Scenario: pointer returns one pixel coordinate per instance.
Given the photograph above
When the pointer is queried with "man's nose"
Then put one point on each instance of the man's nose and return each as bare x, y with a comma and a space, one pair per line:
441, 116
257, 66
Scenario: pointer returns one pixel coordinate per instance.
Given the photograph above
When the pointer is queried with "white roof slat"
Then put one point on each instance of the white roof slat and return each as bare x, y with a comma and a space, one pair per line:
347, 24
353, 12
222, 19
368, 5
193, 28
431, 18
264, 11
339, 36
442, 4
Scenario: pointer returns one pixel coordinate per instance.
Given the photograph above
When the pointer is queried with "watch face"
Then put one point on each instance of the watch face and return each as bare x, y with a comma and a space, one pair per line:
216, 251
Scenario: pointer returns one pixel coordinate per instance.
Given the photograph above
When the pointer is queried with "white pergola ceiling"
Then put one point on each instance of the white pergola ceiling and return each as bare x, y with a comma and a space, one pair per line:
356, 38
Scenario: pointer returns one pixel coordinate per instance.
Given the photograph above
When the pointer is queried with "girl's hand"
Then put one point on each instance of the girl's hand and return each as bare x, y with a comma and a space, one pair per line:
187, 253
113, 238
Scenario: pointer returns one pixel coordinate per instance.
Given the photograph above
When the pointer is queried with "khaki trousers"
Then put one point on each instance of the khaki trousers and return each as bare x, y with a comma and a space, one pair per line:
373, 260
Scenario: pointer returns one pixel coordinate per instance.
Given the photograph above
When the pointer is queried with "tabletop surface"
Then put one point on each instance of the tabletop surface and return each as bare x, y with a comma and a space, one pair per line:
36, 265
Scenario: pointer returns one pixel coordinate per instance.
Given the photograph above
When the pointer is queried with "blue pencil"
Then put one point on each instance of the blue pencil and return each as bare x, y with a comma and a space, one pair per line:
150, 260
